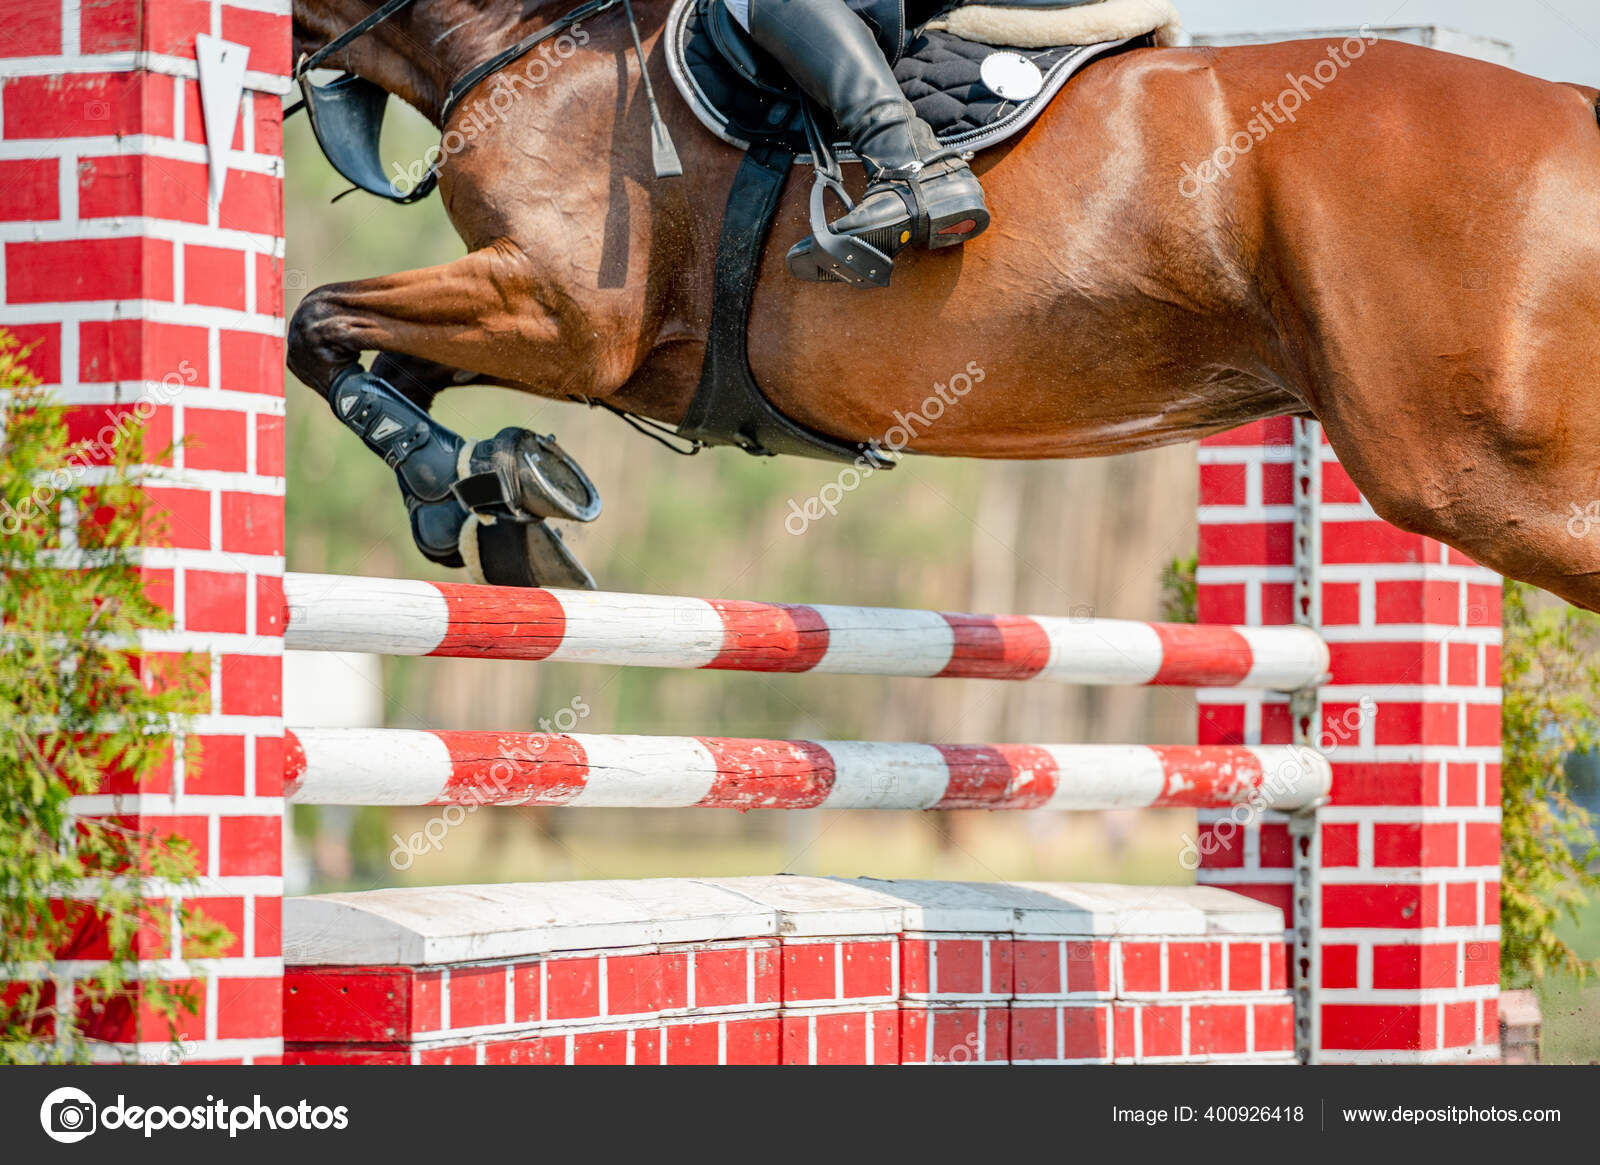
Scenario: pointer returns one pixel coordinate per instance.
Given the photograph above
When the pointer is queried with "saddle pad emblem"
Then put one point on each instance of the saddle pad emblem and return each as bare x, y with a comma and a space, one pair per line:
1011, 76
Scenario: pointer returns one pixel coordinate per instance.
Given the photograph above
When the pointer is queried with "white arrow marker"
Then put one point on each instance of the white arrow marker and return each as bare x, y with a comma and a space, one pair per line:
221, 92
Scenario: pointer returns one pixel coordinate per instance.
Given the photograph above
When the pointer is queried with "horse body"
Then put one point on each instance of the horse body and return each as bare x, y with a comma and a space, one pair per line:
1412, 259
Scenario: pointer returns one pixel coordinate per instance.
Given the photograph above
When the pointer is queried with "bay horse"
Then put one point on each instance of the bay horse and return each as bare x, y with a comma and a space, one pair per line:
1413, 259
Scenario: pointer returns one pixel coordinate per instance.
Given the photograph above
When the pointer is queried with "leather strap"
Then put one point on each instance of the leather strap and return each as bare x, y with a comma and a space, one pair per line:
729, 407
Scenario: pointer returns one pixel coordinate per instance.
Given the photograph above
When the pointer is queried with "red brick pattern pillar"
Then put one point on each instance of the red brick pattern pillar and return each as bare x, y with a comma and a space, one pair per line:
1408, 948
147, 300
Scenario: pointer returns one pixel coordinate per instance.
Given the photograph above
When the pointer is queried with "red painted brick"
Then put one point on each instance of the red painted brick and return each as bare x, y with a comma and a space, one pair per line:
1483, 844
1461, 904
477, 996
269, 927
32, 28
1370, 542
252, 523
183, 517
808, 972
31, 191
269, 605
1341, 844
1277, 603
1141, 966
250, 845
146, 427
1411, 967
215, 766
1194, 966
1277, 483
214, 276
269, 766
1221, 845
1337, 487
1462, 669
1274, 1027
217, 439
227, 913
1483, 725
525, 996
251, 362
215, 600
693, 1043
868, 970
1221, 603
1491, 903
115, 351
633, 984
269, 445
1218, 1029
142, 184
1460, 1024
266, 33
958, 966
1340, 965
1378, 784
83, 269
1374, 906
249, 1008
1033, 1034
269, 285
1223, 485
1384, 663
1276, 847
1341, 604
1036, 967
1221, 724
87, 105
251, 685
1377, 1027
252, 202
1247, 544
1160, 1031
573, 987
1089, 967
41, 345
1277, 431
1415, 601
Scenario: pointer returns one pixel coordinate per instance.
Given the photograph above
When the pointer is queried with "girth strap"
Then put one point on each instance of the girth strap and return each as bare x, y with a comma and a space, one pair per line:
729, 407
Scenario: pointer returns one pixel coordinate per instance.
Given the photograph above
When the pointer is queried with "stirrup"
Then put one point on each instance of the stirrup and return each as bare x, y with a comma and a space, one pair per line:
832, 256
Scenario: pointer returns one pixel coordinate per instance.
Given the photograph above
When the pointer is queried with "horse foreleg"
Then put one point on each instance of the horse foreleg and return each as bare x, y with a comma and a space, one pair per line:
478, 504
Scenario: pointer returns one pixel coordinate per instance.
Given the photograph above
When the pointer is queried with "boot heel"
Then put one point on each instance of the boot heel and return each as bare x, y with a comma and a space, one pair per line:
956, 226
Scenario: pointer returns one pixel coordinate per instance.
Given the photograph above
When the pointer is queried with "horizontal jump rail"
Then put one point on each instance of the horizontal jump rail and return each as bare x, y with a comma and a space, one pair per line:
340, 766
403, 617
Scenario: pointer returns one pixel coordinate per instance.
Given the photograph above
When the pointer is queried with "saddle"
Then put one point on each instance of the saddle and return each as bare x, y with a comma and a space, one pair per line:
974, 94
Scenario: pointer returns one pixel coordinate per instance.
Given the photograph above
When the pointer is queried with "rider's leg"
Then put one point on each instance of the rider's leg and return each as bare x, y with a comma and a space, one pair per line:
831, 55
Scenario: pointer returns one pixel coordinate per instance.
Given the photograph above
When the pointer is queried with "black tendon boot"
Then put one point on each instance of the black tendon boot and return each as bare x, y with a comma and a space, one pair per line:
918, 193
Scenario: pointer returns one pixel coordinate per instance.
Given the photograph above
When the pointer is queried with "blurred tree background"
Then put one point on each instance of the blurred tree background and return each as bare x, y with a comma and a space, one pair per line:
1056, 538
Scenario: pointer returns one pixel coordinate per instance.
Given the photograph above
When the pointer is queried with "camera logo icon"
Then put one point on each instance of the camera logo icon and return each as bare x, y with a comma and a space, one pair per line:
68, 1115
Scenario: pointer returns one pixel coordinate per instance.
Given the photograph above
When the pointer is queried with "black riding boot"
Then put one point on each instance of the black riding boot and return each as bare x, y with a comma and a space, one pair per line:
914, 195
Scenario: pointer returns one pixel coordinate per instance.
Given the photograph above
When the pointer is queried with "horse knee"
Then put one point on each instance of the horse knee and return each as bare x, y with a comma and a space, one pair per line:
319, 341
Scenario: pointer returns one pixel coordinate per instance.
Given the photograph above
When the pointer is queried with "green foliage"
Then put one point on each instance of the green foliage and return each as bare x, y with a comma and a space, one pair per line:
1180, 597
1552, 693
80, 703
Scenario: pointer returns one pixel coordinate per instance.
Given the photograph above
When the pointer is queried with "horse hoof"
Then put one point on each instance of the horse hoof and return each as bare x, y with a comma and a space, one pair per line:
531, 475
520, 554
